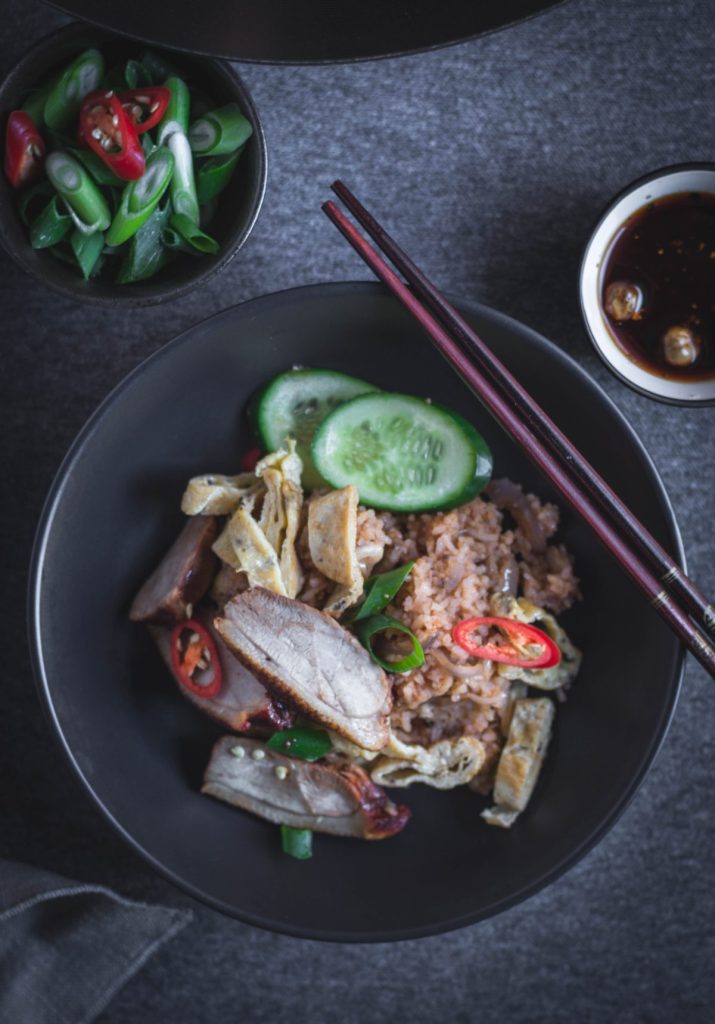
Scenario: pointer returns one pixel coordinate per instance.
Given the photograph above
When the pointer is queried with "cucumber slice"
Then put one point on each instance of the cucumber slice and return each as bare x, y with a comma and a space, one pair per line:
402, 454
294, 404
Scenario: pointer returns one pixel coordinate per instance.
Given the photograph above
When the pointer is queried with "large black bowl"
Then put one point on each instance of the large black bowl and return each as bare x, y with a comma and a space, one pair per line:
140, 749
237, 207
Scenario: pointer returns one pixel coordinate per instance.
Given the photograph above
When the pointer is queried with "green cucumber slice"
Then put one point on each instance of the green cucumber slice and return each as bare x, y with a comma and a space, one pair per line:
294, 404
403, 454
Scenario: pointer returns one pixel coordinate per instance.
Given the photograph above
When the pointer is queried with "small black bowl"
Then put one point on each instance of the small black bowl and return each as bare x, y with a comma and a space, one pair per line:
238, 205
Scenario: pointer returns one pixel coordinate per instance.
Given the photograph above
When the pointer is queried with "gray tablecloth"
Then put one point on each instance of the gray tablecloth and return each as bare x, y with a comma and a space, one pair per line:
490, 161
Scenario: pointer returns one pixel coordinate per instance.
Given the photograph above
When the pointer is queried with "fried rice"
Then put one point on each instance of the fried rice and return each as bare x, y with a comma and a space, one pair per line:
464, 559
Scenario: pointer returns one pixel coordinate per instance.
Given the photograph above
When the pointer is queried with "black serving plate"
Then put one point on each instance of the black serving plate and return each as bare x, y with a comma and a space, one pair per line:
139, 749
304, 31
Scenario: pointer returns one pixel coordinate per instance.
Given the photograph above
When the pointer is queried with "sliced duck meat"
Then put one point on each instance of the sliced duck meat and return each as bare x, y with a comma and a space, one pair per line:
307, 658
241, 703
182, 577
333, 798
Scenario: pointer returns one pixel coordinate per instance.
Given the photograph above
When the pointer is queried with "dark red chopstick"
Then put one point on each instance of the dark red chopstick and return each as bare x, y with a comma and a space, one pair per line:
521, 432
654, 555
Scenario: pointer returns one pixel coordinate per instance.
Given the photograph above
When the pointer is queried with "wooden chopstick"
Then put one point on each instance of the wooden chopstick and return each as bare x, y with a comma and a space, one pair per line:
496, 403
653, 554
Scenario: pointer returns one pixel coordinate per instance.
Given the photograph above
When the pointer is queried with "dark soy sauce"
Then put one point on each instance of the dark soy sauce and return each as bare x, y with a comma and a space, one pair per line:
658, 291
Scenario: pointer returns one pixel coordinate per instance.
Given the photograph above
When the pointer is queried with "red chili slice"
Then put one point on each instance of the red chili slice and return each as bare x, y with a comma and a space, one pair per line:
519, 635
106, 129
186, 657
249, 460
145, 107
24, 149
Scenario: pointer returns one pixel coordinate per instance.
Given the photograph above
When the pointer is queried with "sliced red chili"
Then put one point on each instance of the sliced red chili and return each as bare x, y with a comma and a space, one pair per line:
516, 646
194, 653
145, 107
249, 460
106, 129
24, 149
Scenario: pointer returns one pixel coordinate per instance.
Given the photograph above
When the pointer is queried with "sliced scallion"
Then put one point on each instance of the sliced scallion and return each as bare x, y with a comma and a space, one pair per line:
52, 225
141, 197
220, 132
87, 206
193, 235
297, 842
135, 74
102, 174
214, 174
146, 253
379, 592
176, 115
87, 250
302, 742
63, 101
33, 199
366, 629
183, 184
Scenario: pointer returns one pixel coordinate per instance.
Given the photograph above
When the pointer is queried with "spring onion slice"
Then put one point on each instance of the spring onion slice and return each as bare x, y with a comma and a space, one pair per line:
136, 75
156, 67
366, 629
146, 253
183, 184
141, 197
220, 131
193, 235
214, 174
176, 115
302, 742
87, 250
82, 76
102, 174
297, 842
379, 590
52, 225
87, 206
29, 196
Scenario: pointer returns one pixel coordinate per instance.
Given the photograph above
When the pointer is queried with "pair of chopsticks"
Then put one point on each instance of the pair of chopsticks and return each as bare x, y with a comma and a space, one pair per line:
669, 590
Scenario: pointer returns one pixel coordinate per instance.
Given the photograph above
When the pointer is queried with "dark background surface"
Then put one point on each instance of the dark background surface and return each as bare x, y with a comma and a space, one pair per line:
490, 160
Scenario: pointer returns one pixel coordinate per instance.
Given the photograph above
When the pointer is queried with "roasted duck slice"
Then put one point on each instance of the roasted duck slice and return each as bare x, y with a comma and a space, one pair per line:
241, 703
304, 656
322, 797
182, 577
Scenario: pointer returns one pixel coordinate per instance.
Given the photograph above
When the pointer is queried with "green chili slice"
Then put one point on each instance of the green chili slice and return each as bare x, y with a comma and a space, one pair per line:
302, 742
379, 592
87, 250
82, 76
146, 253
183, 184
141, 197
176, 115
193, 234
297, 842
213, 175
87, 206
51, 226
220, 131
366, 629
34, 105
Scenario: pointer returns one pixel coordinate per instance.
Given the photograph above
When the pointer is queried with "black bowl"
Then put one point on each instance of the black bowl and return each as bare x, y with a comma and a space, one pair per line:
238, 205
140, 749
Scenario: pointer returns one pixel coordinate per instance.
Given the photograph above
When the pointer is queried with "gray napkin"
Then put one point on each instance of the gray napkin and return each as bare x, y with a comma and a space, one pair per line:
66, 948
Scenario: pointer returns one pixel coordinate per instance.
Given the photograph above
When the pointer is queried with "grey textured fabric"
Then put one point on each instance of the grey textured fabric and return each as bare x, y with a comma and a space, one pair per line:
489, 162
65, 948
